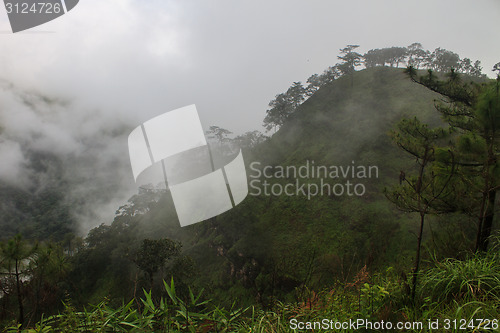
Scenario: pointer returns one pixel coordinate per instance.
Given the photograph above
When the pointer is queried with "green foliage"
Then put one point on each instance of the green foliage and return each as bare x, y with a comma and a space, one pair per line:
31, 278
250, 139
284, 105
487, 109
392, 56
471, 145
440, 60
350, 58
419, 192
218, 133
42, 215
154, 253
443, 60
174, 314
453, 290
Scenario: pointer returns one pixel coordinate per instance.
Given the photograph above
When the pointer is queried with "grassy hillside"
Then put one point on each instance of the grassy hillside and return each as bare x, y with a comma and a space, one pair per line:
345, 121
349, 118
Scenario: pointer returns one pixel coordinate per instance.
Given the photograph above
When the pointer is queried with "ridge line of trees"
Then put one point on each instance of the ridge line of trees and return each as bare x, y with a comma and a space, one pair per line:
439, 60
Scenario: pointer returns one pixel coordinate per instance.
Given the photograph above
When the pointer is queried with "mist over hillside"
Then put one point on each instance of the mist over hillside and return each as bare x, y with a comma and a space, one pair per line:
54, 145
59, 144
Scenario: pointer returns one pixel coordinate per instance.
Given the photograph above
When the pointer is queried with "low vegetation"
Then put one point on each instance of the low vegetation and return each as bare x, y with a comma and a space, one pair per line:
450, 290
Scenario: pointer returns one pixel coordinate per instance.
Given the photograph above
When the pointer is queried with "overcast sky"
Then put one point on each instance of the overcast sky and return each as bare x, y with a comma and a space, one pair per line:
137, 59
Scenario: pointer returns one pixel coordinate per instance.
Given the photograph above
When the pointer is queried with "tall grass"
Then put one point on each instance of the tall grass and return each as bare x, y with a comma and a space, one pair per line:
451, 290
474, 279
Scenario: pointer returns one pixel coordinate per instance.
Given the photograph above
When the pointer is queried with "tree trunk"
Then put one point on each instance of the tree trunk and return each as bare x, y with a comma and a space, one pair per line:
19, 297
151, 279
487, 211
417, 257
486, 225
480, 222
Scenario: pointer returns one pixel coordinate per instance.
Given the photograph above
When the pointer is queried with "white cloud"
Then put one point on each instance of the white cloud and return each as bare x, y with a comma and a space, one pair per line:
12, 164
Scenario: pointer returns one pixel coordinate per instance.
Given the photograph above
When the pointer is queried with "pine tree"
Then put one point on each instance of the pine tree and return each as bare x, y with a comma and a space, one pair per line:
473, 111
14, 259
420, 193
